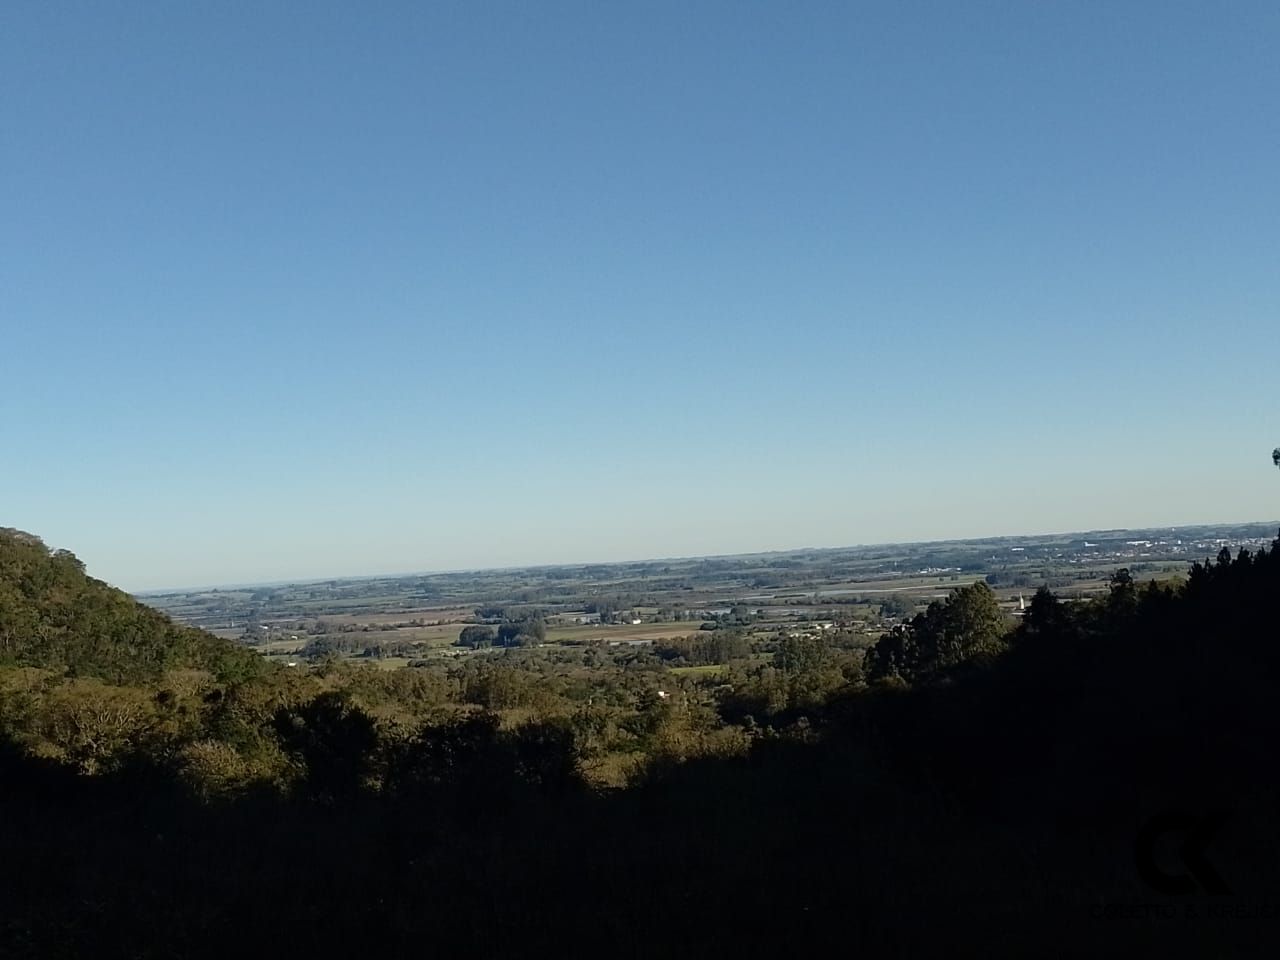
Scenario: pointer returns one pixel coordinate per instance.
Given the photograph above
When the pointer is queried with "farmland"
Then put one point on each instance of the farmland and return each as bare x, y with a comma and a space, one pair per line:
858, 591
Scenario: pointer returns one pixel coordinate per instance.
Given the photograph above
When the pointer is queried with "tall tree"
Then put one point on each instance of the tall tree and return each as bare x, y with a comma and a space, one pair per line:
966, 625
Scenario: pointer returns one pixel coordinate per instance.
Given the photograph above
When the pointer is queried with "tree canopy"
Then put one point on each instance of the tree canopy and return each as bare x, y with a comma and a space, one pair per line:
967, 625
54, 616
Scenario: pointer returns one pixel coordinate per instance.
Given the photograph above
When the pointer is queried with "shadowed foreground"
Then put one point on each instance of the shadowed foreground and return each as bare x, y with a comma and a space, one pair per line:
997, 805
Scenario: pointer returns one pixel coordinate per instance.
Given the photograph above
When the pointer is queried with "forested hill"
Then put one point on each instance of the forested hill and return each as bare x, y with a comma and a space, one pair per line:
54, 616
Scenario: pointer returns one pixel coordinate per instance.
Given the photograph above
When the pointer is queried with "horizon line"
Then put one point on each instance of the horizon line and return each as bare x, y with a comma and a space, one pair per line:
241, 585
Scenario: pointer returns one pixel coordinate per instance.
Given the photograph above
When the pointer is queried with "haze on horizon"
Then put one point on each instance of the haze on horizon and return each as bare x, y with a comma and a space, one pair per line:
581, 562
311, 291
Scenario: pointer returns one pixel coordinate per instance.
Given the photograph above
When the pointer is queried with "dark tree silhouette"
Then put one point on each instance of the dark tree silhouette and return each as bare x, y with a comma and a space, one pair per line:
333, 741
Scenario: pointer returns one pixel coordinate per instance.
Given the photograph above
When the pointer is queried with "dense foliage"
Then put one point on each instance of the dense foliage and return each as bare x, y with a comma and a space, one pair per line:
980, 785
52, 615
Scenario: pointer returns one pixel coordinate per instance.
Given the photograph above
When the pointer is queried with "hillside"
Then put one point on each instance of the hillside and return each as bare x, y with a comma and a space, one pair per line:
56, 617
1098, 779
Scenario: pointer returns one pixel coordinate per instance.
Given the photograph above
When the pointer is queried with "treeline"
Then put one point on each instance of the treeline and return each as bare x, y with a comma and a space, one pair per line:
318, 648
523, 632
717, 647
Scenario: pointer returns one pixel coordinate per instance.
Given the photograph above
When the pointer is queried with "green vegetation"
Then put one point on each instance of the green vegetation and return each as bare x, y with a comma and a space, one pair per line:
966, 626
983, 770
53, 616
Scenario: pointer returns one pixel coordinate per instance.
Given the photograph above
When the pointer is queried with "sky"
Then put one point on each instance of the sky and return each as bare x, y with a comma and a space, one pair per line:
295, 290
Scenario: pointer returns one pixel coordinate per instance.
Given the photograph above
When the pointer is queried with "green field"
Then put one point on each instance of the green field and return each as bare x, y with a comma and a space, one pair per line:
709, 670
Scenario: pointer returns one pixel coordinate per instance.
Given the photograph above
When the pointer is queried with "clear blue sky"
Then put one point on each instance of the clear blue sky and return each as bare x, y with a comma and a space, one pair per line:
307, 289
